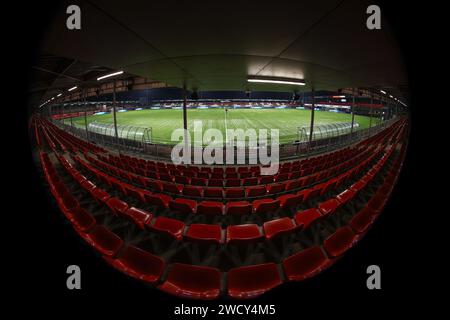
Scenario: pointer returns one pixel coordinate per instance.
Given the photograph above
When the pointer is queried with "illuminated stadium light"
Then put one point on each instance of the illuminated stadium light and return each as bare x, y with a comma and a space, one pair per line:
390, 96
59, 95
383, 92
73, 88
298, 82
109, 75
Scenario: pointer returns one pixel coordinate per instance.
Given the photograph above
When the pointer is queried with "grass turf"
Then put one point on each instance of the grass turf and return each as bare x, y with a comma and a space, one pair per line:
164, 121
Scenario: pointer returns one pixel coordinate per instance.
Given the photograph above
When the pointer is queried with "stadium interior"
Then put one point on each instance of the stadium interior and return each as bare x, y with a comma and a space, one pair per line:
105, 99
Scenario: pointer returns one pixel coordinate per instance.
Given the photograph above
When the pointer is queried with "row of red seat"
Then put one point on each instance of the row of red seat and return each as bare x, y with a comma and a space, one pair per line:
65, 141
207, 282
242, 282
275, 182
213, 232
190, 206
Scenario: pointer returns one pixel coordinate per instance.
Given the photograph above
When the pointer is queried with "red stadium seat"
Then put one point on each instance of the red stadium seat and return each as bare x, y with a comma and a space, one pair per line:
100, 195
193, 191
171, 188
215, 183
233, 183
250, 181
191, 281
339, 242
67, 202
305, 264
135, 193
82, 219
198, 181
139, 217
362, 220
278, 227
305, 218
117, 206
238, 207
235, 193
172, 227
87, 185
276, 188
204, 233
243, 233
345, 196
213, 192
288, 201
291, 185
329, 207
103, 240
182, 180
256, 191
252, 281
185, 206
139, 264
265, 205
377, 202
210, 208
159, 200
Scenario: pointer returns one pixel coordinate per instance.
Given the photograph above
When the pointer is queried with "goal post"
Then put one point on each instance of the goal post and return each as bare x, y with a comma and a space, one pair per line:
323, 131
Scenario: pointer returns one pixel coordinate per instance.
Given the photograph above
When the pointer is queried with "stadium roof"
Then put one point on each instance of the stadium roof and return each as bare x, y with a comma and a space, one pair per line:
216, 45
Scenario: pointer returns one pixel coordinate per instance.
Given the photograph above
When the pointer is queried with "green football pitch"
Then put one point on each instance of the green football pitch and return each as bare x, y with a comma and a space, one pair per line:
164, 121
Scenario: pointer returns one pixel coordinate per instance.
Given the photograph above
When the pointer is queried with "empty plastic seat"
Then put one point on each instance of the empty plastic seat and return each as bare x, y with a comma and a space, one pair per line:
204, 233
256, 191
233, 176
288, 201
329, 207
377, 202
305, 264
182, 180
100, 195
82, 219
362, 220
215, 183
193, 191
192, 281
171, 188
198, 181
67, 202
232, 183
103, 240
235, 193
276, 188
87, 185
252, 281
313, 192
305, 218
139, 264
159, 200
138, 216
238, 207
250, 181
262, 206
345, 196
117, 206
278, 227
135, 193
185, 206
339, 242
172, 227
213, 192
243, 233
210, 208
291, 185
